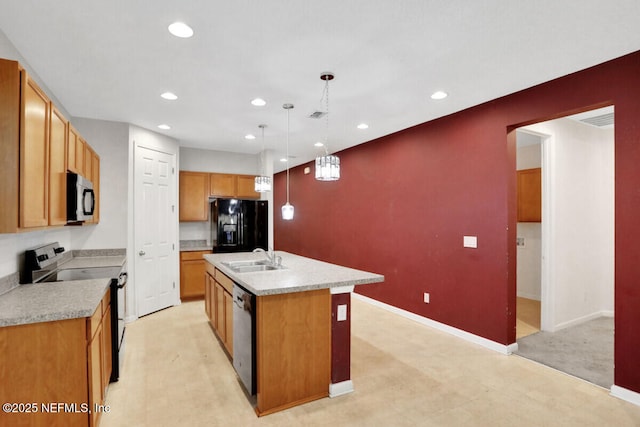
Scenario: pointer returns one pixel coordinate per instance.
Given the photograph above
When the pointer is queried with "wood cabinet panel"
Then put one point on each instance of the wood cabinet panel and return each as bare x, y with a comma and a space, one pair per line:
222, 185
57, 168
530, 195
246, 187
192, 274
34, 156
95, 179
221, 318
10, 78
194, 196
208, 280
293, 343
95, 355
35, 367
80, 153
228, 322
72, 142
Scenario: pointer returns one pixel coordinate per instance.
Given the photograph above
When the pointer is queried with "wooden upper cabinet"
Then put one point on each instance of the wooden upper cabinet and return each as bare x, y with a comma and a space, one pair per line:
95, 179
530, 195
57, 168
231, 185
194, 196
222, 185
247, 187
34, 155
88, 162
72, 141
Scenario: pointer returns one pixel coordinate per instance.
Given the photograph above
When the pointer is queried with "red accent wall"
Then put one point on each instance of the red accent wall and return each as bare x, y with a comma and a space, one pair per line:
405, 201
340, 340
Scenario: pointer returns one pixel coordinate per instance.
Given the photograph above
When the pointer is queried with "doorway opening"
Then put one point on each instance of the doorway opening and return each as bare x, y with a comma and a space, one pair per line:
565, 257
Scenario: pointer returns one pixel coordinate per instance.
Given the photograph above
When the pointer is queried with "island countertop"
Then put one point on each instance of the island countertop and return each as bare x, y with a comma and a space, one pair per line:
299, 274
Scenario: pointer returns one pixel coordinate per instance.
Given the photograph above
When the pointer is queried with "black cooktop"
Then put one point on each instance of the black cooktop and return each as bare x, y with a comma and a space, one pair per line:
82, 274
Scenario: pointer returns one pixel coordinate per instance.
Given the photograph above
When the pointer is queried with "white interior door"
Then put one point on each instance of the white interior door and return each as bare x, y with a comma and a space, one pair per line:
155, 219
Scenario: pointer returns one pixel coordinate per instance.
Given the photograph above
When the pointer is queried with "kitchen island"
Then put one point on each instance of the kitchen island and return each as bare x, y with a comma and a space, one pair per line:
302, 324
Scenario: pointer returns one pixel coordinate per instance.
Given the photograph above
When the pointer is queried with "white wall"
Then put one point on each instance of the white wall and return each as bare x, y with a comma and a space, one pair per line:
579, 167
529, 263
111, 141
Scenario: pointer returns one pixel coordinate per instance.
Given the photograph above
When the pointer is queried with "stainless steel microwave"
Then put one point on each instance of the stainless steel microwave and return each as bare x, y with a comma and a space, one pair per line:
80, 198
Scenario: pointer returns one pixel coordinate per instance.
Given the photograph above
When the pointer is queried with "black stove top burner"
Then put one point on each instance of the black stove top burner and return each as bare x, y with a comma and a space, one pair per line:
82, 274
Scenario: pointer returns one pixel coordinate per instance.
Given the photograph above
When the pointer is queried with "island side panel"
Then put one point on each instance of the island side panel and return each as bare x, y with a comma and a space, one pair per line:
340, 339
293, 340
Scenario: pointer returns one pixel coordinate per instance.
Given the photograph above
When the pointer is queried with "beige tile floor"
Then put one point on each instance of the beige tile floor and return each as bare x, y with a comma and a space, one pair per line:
405, 374
528, 317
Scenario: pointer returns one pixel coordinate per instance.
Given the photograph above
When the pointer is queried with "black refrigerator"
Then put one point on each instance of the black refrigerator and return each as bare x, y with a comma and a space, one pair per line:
239, 225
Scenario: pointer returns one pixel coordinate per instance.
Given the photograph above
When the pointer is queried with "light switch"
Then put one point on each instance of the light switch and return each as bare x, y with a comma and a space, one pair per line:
470, 241
342, 312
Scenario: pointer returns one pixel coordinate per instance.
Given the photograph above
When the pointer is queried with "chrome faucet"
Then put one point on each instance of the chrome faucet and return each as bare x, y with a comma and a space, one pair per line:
275, 260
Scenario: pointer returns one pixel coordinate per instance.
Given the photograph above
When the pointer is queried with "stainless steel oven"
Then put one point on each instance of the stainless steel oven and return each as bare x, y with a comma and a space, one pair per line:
41, 266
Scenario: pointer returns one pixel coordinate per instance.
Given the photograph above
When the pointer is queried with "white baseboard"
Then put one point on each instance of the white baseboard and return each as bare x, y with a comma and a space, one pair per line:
624, 394
583, 319
338, 389
467, 336
529, 296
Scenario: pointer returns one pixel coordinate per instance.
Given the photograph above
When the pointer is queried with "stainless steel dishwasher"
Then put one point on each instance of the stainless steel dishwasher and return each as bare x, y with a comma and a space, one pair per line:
244, 337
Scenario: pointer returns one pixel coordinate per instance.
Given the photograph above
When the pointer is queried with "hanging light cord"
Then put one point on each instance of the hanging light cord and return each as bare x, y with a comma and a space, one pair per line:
326, 140
262, 153
288, 154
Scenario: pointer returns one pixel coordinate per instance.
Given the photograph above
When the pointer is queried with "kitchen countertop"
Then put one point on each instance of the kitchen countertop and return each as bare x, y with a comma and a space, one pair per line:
194, 245
46, 302
300, 274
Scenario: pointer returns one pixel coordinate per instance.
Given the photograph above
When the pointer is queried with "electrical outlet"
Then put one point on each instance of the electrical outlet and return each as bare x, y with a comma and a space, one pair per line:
426, 298
342, 313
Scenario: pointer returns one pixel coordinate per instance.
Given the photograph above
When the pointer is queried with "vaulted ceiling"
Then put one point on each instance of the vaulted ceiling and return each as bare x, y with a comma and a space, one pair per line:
111, 60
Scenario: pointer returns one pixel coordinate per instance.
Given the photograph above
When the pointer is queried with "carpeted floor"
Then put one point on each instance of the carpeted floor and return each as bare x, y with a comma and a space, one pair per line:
585, 351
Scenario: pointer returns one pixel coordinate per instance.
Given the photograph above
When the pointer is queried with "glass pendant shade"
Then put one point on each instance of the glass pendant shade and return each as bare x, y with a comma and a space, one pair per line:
328, 168
262, 184
287, 211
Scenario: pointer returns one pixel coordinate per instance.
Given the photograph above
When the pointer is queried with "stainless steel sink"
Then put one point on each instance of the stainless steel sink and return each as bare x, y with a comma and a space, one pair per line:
251, 266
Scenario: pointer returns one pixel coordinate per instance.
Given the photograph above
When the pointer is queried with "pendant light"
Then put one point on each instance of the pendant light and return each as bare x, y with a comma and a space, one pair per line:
262, 182
287, 208
327, 166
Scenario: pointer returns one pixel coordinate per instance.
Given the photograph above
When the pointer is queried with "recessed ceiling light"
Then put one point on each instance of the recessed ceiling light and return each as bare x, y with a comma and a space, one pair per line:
363, 126
258, 102
249, 136
283, 160
164, 127
169, 96
180, 29
439, 95
319, 144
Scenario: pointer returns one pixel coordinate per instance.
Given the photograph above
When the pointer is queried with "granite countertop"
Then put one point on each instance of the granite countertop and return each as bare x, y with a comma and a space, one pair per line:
300, 274
46, 302
194, 245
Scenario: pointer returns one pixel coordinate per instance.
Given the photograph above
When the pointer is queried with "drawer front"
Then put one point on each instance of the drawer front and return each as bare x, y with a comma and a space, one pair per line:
224, 281
193, 255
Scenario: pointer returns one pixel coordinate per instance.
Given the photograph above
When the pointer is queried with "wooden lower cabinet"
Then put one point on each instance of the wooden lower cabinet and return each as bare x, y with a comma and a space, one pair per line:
293, 345
192, 279
219, 306
64, 361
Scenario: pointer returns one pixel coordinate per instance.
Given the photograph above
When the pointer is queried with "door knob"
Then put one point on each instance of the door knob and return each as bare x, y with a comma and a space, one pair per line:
141, 253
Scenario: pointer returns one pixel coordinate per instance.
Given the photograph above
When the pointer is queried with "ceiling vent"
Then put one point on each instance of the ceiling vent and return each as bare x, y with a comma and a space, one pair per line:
317, 114
599, 121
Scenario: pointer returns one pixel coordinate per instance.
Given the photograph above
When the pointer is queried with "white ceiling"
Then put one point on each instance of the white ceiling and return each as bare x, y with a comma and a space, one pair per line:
112, 59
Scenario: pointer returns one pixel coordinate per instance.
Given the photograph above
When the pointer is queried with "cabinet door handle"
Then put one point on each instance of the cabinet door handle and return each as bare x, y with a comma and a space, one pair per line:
142, 253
